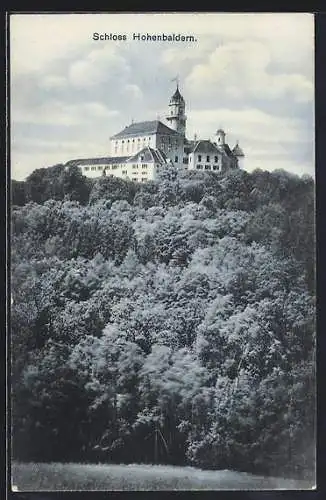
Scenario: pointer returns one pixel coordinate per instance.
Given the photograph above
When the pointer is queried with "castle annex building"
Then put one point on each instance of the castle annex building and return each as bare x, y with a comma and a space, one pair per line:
141, 151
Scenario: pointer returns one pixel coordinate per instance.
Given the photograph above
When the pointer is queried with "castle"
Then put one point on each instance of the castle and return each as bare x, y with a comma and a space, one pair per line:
141, 151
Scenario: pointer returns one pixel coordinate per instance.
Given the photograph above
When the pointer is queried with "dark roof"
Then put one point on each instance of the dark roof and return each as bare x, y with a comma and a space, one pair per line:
220, 130
98, 161
226, 149
237, 151
205, 146
177, 97
149, 155
145, 128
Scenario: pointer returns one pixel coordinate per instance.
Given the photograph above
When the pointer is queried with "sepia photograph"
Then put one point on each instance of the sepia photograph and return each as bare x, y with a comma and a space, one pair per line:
162, 251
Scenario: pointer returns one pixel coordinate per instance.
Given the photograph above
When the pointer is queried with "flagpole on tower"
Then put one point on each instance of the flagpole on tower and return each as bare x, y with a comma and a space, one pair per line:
176, 79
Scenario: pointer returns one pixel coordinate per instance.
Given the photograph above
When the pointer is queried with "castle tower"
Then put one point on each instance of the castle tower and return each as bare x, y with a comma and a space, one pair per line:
220, 137
176, 117
238, 152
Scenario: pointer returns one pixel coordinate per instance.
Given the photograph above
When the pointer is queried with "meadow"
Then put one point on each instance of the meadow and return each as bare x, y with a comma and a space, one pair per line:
139, 477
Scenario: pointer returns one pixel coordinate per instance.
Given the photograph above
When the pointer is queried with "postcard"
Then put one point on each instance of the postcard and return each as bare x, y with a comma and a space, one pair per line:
163, 332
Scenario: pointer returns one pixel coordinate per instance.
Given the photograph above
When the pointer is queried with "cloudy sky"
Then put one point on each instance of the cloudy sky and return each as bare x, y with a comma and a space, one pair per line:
251, 74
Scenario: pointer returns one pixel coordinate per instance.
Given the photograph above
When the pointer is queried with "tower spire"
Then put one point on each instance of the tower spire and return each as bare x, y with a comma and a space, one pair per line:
176, 116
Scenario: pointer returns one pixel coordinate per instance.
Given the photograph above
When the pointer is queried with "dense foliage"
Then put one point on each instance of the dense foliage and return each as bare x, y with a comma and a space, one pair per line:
167, 322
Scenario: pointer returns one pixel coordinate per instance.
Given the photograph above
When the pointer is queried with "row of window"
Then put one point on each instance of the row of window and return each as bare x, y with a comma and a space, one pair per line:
208, 158
185, 159
207, 167
101, 167
168, 140
143, 179
143, 166
129, 144
113, 167
133, 140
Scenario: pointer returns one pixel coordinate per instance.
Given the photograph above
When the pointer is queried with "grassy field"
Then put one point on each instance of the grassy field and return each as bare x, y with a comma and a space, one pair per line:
136, 477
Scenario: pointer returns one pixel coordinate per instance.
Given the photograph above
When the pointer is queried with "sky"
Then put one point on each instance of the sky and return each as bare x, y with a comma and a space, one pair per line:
250, 74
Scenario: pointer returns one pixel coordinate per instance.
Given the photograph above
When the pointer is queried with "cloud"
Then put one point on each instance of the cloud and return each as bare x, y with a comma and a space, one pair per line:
240, 70
59, 113
50, 82
133, 91
98, 67
248, 123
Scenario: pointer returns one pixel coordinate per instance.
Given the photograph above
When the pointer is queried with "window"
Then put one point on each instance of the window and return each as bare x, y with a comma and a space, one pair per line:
199, 157
176, 159
93, 168
138, 139
144, 179
216, 159
215, 167
114, 167
199, 167
86, 168
100, 167
149, 138
207, 158
124, 172
185, 160
122, 142
108, 167
144, 165
207, 167
134, 166
133, 140
134, 178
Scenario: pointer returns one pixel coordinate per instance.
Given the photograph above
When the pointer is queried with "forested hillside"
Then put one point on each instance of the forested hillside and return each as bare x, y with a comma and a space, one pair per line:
169, 322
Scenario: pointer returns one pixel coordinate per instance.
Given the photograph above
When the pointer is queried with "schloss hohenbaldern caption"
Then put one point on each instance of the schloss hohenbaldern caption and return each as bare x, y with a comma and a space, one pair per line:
144, 37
